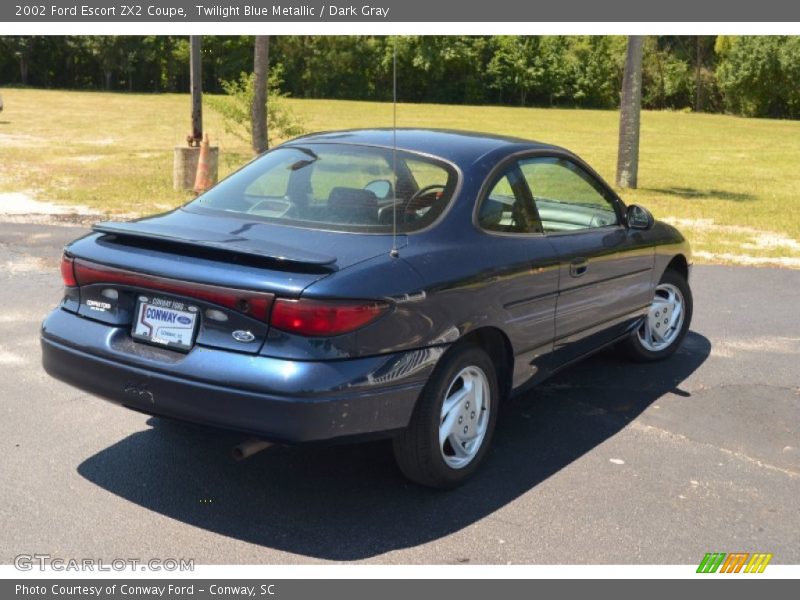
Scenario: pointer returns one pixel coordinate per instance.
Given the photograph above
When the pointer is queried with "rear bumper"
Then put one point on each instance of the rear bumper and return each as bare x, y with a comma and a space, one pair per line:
281, 400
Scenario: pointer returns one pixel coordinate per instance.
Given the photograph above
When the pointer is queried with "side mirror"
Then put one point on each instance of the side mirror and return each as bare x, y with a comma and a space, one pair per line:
639, 217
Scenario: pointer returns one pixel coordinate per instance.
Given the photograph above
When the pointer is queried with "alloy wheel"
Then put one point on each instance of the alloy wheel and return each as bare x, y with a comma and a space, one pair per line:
662, 325
464, 417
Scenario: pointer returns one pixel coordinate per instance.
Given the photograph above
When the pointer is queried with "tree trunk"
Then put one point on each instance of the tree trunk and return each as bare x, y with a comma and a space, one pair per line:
258, 110
630, 108
662, 83
108, 74
196, 85
170, 67
23, 70
698, 77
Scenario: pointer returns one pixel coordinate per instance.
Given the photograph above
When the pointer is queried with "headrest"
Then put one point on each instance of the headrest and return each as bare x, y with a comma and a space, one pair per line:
345, 197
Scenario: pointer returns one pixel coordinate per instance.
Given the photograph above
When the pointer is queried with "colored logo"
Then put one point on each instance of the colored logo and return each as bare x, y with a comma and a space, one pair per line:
737, 562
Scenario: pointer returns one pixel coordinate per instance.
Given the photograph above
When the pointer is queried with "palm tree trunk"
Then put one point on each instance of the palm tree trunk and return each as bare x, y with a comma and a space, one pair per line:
258, 110
630, 109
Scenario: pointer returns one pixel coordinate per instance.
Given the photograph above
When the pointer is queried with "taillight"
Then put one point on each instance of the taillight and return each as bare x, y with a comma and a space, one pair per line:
255, 304
322, 317
67, 271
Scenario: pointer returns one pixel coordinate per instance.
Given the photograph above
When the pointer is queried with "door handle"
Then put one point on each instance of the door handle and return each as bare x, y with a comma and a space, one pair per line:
578, 267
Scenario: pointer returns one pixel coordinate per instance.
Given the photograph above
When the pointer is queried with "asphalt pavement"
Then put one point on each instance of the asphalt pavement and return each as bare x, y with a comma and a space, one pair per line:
608, 462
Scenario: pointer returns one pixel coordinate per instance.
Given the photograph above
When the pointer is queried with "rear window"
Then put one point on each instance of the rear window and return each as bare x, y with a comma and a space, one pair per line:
337, 187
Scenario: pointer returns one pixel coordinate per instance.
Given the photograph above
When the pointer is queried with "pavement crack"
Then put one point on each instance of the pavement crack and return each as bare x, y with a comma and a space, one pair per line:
739, 455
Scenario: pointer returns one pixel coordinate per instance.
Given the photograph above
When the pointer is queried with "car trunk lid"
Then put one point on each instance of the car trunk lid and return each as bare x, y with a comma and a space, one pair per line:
286, 246
230, 269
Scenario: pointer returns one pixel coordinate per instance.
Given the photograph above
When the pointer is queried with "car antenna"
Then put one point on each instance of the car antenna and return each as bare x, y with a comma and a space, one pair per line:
393, 252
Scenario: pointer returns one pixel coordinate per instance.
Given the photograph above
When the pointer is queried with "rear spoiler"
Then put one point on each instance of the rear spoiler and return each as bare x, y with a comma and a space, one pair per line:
219, 242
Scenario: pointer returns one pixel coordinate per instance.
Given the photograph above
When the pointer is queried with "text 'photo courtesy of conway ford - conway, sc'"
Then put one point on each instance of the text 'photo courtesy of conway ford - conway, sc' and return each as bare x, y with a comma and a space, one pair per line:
370, 283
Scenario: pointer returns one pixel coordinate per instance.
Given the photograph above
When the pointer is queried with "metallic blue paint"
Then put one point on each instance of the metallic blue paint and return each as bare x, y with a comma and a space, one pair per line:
450, 280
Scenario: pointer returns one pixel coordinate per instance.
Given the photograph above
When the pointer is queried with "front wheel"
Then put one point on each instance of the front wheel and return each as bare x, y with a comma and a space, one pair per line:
667, 320
453, 422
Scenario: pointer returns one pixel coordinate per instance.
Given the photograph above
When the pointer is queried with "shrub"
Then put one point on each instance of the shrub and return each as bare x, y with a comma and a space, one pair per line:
234, 107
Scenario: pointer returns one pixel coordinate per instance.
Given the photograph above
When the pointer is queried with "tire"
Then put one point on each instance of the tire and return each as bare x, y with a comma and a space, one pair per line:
459, 376
644, 346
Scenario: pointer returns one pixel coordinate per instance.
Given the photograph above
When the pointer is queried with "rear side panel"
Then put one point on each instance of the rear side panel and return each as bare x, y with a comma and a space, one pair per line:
445, 287
405, 326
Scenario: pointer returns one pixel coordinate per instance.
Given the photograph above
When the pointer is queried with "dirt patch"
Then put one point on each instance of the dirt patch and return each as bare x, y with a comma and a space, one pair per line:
19, 140
19, 207
19, 203
711, 225
771, 344
66, 220
767, 241
19, 317
9, 358
756, 239
108, 141
792, 262
86, 158
27, 264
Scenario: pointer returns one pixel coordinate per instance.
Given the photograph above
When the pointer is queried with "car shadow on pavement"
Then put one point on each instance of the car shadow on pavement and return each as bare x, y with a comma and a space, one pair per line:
349, 502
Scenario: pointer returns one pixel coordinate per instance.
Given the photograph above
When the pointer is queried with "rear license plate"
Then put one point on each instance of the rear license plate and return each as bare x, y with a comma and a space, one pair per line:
165, 322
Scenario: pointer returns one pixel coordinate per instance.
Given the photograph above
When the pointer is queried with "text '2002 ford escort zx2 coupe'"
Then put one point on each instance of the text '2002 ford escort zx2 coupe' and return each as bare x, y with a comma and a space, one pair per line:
355, 284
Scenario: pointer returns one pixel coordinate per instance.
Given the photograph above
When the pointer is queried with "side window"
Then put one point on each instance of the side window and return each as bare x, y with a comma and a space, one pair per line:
508, 207
566, 197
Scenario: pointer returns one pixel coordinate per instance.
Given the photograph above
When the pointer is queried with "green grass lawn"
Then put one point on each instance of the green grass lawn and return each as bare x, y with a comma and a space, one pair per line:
731, 184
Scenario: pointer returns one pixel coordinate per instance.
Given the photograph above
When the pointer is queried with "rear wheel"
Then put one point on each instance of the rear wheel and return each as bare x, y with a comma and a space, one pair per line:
452, 425
666, 322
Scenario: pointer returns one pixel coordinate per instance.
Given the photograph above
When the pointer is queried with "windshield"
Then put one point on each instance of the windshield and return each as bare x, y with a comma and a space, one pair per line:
337, 187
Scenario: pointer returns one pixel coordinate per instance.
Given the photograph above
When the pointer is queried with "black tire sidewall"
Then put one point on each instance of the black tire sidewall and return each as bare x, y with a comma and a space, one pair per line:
429, 409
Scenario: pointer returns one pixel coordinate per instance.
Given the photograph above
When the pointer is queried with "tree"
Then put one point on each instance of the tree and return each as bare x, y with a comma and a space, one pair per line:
630, 109
667, 73
515, 68
758, 75
596, 69
21, 49
236, 108
107, 51
259, 107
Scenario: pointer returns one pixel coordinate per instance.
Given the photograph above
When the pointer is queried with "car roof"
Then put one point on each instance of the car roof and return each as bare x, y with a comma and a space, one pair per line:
460, 147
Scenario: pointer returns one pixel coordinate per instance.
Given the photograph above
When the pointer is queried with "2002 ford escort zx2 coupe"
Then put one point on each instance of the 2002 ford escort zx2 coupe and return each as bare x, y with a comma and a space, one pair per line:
369, 283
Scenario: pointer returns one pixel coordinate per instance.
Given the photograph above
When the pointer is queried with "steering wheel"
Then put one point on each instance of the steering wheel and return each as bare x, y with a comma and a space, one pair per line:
424, 191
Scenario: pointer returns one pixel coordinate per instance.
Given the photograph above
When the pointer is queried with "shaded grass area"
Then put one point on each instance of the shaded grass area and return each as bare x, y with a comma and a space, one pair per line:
730, 183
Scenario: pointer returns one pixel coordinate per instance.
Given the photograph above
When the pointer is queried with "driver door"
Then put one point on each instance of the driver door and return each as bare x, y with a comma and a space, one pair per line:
605, 269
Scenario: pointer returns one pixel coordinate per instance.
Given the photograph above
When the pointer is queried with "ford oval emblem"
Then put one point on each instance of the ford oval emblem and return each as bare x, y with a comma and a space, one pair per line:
240, 335
184, 320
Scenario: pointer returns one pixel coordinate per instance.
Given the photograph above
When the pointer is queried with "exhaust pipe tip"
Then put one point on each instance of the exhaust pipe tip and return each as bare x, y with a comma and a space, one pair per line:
249, 447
